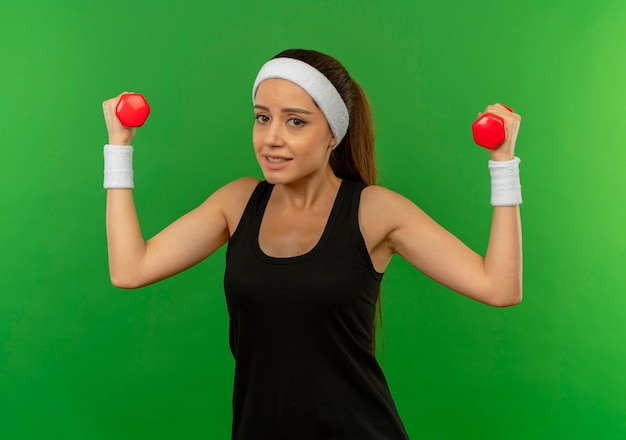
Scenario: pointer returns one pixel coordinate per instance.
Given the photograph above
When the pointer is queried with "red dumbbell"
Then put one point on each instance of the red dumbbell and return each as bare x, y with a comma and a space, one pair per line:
132, 110
489, 130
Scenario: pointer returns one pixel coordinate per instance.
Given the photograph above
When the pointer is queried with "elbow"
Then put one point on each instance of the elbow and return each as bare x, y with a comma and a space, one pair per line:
509, 299
123, 281
507, 303
123, 284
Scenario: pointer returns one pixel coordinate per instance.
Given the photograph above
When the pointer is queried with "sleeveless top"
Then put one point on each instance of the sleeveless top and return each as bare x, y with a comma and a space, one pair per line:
301, 333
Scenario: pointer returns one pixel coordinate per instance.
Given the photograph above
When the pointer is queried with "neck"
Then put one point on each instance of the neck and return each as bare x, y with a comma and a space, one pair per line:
308, 191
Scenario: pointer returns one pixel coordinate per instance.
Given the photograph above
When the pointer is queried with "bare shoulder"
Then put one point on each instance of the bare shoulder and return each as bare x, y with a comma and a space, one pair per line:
380, 194
382, 214
382, 203
385, 215
231, 199
238, 189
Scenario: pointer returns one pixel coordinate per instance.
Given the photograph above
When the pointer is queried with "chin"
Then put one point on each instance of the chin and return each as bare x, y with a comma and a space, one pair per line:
273, 178
281, 178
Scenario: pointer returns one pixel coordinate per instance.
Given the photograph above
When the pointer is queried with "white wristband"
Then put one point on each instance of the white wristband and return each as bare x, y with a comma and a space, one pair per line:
118, 166
506, 189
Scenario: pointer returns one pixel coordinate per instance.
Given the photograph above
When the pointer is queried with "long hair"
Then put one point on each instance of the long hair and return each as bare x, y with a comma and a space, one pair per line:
354, 158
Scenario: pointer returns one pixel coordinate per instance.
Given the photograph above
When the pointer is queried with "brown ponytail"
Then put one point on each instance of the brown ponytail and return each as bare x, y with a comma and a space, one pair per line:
354, 158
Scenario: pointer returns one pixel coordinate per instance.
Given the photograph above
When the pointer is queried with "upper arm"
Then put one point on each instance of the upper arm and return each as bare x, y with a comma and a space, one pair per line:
197, 234
395, 225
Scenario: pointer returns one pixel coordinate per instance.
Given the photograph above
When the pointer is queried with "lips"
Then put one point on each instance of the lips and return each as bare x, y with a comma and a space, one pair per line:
276, 159
276, 162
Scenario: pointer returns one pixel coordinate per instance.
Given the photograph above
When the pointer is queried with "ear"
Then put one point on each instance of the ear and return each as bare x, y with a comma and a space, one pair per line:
332, 143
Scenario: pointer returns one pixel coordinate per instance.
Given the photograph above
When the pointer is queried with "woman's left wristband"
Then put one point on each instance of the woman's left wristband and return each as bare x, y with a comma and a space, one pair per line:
118, 167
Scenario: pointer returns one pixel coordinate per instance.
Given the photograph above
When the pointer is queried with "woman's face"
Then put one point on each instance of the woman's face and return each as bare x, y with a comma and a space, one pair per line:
291, 137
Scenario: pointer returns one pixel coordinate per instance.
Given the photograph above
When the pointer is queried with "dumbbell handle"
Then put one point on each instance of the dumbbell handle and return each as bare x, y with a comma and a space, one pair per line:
489, 130
132, 109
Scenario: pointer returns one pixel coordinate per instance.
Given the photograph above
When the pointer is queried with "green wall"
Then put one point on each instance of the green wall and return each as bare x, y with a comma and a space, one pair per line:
80, 359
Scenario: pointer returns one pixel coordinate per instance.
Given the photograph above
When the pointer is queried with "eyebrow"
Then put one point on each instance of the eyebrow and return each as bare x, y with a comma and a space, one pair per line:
286, 110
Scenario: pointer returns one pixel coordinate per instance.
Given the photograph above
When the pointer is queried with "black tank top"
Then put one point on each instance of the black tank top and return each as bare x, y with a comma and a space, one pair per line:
301, 333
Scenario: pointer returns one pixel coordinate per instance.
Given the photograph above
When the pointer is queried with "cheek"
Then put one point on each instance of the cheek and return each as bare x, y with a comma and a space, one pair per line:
256, 138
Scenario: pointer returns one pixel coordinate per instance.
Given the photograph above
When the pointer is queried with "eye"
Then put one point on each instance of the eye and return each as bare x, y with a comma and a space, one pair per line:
296, 122
261, 118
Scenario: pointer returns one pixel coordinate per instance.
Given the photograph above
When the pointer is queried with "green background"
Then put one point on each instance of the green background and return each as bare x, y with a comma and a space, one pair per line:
80, 359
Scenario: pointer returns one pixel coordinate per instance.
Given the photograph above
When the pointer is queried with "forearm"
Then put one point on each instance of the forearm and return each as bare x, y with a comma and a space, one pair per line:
503, 259
126, 246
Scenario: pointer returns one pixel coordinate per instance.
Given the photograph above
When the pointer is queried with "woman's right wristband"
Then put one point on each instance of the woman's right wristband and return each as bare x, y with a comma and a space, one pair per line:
118, 167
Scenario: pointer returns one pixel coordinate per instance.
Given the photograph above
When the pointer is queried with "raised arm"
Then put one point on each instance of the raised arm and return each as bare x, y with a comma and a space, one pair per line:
393, 224
134, 262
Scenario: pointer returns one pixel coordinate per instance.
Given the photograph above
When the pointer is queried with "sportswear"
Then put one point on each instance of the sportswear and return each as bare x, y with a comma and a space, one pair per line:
301, 333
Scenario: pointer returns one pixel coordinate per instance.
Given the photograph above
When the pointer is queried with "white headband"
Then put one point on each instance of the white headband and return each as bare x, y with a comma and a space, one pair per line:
315, 84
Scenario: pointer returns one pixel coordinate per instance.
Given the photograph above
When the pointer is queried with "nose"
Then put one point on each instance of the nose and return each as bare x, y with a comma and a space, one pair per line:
274, 135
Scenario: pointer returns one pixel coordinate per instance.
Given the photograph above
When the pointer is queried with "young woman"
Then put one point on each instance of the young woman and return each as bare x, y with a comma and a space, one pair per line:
307, 248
